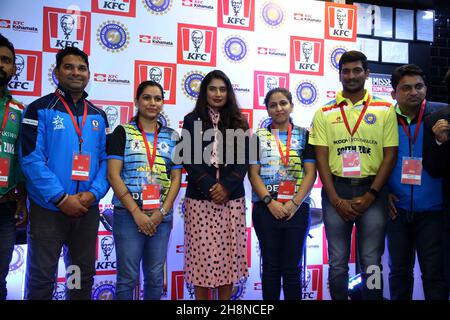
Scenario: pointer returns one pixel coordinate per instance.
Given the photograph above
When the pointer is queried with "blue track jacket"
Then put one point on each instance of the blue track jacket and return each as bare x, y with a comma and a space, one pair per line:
48, 143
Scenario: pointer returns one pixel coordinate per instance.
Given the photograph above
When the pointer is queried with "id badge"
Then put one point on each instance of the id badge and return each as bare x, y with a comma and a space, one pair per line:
81, 164
411, 171
150, 196
4, 171
351, 164
286, 190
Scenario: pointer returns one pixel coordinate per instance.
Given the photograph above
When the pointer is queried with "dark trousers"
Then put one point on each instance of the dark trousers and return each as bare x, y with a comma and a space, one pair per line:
406, 235
7, 240
48, 233
281, 244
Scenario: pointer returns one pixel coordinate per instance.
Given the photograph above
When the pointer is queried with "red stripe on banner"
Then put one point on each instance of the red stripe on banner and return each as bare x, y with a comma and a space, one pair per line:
247, 7
261, 80
315, 276
316, 52
297, 45
177, 285
350, 19
167, 78
143, 73
208, 39
226, 7
332, 17
31, 67
282, 82
186, 38
53, 24
81, 25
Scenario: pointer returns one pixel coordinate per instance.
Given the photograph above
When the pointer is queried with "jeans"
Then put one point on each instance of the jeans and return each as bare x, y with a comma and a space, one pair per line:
282, 243
132, 247
48, 232
421, 232
370, 235
7, 240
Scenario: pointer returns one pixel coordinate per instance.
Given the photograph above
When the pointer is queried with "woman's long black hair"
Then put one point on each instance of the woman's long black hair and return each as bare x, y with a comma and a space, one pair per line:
230, 114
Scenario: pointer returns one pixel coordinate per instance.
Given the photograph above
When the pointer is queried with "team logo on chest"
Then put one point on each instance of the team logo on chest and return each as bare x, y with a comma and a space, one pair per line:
58, 123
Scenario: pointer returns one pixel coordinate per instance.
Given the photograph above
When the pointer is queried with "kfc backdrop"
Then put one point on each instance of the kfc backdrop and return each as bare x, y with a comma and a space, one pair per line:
258, 44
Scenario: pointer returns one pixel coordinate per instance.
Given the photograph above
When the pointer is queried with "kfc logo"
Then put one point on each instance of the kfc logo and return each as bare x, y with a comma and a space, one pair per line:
307, 56
125, 8
264, 82
145, 39
117, 112
237, 14
340, 22
27, 80
66, 29
5, 23
196, 45
312, 282
105, 264
100, 77
331, 94
162, 73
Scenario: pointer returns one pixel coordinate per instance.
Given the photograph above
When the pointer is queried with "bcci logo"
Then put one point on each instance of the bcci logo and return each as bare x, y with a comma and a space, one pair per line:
235, 49
159, 7
306, 93
196, 45
340, 22
272, 14
104, 290
306, 56
17, 259
113, 36
27, 80
59, 291
64, 28
164, 119
264, 123
238, 291
335, 56
370, 118
191, 84
52, 77
181, 208
237, 14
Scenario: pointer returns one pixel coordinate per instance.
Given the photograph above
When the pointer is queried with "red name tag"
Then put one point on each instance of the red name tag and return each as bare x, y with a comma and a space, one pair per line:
411, 171
80, 167
286, 190
351, 164
150, 196
4, 171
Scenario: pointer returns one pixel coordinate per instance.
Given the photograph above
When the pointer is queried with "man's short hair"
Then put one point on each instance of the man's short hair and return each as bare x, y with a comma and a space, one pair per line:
4, 42
352, 56
405, 70
70, 51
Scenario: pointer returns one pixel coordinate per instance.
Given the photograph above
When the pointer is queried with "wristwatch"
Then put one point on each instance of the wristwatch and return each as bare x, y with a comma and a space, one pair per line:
164, 212
267, 199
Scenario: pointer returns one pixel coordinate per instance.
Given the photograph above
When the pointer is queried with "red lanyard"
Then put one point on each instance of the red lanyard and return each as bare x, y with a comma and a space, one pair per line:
75, 124
419, 122
5, 120
150, 156
285, 159
361, 116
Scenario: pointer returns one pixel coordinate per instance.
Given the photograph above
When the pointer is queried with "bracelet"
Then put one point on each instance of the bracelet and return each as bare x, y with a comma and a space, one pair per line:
123, 195
338, 204
60, 202
137, 207
298, 205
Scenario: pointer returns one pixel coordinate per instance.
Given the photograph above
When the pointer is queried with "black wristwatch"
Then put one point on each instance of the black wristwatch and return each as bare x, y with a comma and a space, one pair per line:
374, 192
267, 199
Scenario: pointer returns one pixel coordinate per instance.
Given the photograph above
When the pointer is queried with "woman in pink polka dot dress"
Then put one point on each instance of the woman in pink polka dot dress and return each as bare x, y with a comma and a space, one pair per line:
214, 230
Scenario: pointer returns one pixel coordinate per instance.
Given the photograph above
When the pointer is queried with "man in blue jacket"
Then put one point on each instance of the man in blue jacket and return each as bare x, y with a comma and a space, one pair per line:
415, 201
63, 157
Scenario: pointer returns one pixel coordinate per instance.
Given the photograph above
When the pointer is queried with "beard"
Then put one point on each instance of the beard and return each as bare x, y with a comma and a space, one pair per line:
353, 89
4, 78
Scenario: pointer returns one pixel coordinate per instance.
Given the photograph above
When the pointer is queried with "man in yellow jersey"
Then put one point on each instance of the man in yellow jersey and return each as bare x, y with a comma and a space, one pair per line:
355, 138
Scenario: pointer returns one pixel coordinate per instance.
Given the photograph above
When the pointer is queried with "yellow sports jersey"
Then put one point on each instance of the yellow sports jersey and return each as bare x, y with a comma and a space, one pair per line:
378, 129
